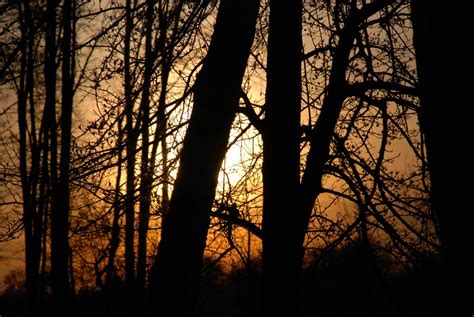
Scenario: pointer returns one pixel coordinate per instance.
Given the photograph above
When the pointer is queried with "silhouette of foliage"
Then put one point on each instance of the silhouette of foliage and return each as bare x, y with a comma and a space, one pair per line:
118, 116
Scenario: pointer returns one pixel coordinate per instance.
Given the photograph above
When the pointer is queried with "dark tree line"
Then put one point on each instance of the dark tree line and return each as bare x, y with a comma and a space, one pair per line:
121, 119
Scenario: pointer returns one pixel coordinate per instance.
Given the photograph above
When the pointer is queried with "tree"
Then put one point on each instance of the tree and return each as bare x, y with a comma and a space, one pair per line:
145, 171
338, 156
32, 219
282, 253
61, 187
60, 199
177, 268
432, 115
281, 147
321, 135
130, 150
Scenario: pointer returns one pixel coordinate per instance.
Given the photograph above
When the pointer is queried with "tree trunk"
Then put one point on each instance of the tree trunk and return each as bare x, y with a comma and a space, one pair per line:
177, 268
281, 161
43, 206
283, 256
59, 267
130, 149
60, 199
430, 114
441, 119
167, 57
146, 177
32, 224
320, 137
110, 273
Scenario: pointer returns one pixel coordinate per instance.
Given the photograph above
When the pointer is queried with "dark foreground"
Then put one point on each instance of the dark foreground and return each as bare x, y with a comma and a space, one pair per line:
343, 285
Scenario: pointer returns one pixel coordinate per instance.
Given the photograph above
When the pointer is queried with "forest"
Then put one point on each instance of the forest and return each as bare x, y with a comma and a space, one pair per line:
232, 158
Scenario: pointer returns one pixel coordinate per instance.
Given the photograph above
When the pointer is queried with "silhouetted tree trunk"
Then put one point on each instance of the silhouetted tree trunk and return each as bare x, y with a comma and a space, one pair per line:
161, 136
130, 149
166, 58
176, 272
146, 177
288, 208
161, 124
43, 204
60, 199
423, 40
282, 248
441, 120
59, 274
110, 273
29, 177
430, 115
320, 137
322, 133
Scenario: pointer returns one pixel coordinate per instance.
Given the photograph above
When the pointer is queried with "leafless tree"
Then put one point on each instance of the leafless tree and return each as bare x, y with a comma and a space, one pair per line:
177, 267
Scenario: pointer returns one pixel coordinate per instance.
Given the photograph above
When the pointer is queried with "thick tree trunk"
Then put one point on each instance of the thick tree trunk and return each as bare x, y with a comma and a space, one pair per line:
176, 272
282, 249
441, 118
287, 208
430, 114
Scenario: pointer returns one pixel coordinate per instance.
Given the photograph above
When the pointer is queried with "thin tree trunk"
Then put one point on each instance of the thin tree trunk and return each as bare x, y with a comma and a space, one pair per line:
162, 122
110, 273
59, 276
162, 119
160, 138
130, 149
42, 208
39, 226
177, 268
28, 180
146, 177
281, 161
60, 200
43, 214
